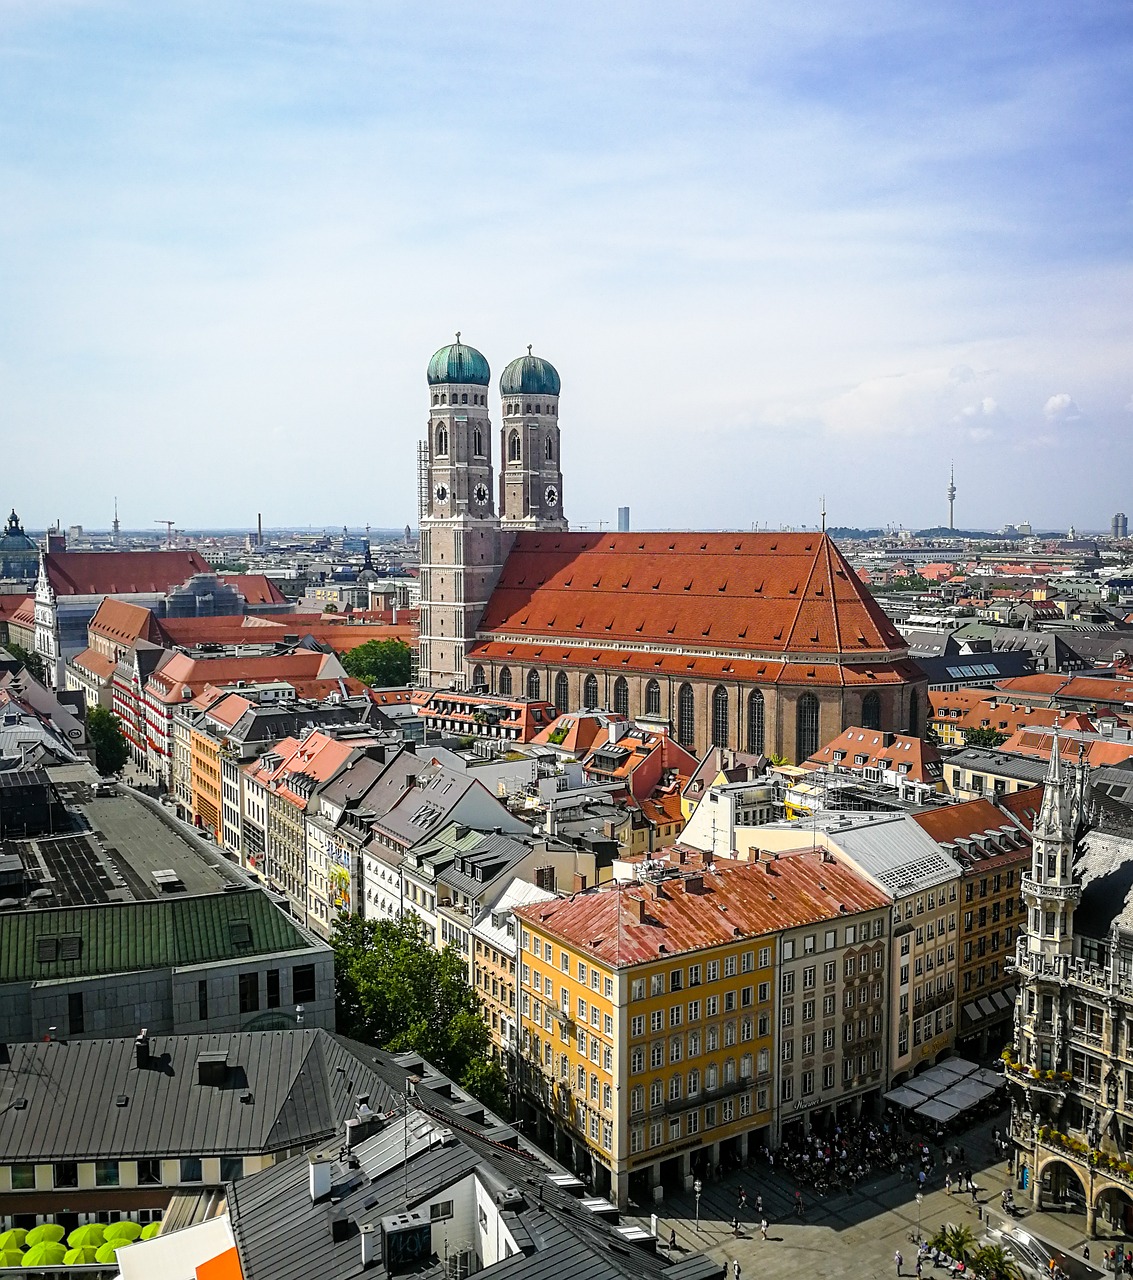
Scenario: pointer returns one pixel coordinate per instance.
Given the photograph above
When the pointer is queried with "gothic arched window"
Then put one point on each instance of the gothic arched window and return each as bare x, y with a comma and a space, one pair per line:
590, 692
755, 722
621, 696
652, 698
806, 727
562, 692
526, 408
538, 408
503, 682
719, 716
444, 398
478, 677
549, 449
478, 443
436, 398
871, 711
513, 447
442, 441
686, 716
464, 398
533, 683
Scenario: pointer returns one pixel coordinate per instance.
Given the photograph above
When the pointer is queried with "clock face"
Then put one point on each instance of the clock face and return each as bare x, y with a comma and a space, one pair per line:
550, 495
480, 493
440, 493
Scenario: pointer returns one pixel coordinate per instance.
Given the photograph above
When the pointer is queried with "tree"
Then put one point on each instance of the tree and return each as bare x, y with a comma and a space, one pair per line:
957, 1242
394, 990
383, 663
487, 1081
996, 1263
984, 738
32, 661
111, 750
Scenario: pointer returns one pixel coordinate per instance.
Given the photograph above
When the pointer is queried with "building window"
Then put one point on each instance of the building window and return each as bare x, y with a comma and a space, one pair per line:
249, 992
806, 727
621, 696
23, 1177
442, 441
914, 716
202, 1000
273, 988
562, 693
871, 711
65, 1174
719, 716
478, 681
106, 1173
533, 684
686, 716
231, 1168
303, 983
755, 722
590, 693
513, 446
149, 1173
191, 1170
76, 1022
478, 443
652, 698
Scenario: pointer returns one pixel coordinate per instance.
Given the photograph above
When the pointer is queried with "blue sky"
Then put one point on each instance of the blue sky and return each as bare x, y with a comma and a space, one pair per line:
775, 251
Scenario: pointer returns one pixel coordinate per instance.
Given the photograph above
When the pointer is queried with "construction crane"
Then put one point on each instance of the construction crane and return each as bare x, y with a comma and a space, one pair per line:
168, 530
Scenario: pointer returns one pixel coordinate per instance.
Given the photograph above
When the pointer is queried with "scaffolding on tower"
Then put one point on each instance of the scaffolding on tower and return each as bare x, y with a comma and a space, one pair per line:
422, 479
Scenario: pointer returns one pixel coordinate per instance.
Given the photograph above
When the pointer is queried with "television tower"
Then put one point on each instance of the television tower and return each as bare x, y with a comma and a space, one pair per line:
114, 527
952, 497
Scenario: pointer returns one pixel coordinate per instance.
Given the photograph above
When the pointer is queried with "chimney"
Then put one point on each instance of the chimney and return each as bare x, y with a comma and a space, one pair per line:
141, 1049
613, 731
637, 907
694, 884
887, 739
579, 882
393, 615
752, 853
260, 529
319, 1169
369, 1239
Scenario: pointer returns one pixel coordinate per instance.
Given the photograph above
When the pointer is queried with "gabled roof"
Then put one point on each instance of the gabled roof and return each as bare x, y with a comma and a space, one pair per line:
759, 592
881, 750
183, 670
124, 623
256, 588
105, 573
95, 664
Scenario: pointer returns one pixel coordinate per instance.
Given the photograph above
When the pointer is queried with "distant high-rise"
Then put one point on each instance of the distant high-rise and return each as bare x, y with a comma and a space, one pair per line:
952, 498
1119, 525
623, 519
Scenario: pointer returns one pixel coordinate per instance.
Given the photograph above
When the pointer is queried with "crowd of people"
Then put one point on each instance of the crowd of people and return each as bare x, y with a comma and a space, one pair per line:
842, 1158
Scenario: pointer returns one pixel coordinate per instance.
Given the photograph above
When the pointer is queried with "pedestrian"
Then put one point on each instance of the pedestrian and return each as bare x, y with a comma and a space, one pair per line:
899, 1261
743, 1198
735, 1226
759, 1204
918, 1269
763, 1228
973, 1191
947, 1184
1086, 1252
673, 1241
736, 1268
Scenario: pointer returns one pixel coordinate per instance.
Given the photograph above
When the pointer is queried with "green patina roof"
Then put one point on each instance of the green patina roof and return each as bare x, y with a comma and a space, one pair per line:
459, 363
530, 376
119, 937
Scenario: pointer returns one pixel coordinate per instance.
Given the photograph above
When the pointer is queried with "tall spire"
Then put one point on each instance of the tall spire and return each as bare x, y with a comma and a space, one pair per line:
1054, 768
952, 497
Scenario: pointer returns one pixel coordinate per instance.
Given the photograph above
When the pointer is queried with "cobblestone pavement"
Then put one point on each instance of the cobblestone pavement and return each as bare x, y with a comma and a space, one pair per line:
856, 1234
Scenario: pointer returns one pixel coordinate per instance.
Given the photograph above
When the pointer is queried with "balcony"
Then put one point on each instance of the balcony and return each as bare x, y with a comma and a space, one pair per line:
1051, 1083
1030, 887
560, 1015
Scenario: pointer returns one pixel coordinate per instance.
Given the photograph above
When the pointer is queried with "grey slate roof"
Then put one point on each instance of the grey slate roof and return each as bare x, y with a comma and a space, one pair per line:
282, 1235
299, 1097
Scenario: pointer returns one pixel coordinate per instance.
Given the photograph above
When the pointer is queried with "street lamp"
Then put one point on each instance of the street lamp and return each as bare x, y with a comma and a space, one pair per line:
920, 1201
697, 1188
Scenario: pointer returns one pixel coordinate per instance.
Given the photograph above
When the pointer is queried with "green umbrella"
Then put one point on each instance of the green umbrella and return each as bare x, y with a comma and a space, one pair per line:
81, 1257
13, 1239
11, 1258
45, 1254
47, 1233
106, 1252
150, 1230
91, 1234
127, 1231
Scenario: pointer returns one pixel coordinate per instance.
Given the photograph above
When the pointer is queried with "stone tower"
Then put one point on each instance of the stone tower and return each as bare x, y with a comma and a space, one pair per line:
460, 530
531, 478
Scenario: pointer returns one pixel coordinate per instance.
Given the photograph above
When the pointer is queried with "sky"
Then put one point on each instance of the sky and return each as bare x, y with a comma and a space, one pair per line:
778, 253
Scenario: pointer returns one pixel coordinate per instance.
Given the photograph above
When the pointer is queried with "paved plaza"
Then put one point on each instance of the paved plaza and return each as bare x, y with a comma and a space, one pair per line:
855, 1234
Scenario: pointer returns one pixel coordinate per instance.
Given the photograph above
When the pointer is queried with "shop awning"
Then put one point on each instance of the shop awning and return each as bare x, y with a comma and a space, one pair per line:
936, 1110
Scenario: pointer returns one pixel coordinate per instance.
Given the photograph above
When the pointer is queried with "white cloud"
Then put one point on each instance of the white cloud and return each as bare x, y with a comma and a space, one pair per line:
1061, 408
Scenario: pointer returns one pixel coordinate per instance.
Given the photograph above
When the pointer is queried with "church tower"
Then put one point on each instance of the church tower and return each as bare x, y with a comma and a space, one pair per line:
531, 478
460, 531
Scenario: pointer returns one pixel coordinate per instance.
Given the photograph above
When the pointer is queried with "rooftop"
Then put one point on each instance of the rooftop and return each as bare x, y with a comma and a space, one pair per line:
104, 573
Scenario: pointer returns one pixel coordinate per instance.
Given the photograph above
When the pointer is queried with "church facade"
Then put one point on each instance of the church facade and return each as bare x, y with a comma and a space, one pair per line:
762, 642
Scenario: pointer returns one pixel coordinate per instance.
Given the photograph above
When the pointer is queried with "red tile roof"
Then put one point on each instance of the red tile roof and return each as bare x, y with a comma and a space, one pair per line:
317, 757
183, 670
1097, 751
888, 751
953, 821
256, 588
1023, 805
760, 592
125, 623
24, 615
95, 664
10, 603
636, 923
107, 573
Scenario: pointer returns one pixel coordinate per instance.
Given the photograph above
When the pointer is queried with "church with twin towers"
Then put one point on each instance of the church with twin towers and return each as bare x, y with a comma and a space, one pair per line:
761, 642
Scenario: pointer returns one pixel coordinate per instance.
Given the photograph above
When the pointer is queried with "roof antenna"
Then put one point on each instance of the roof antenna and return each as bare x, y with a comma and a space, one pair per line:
824, 513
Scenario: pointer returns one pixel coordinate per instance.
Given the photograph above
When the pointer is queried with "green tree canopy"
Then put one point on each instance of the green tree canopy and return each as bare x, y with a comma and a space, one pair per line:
393, 989
111, 750
385, 664
32, 661
984, 738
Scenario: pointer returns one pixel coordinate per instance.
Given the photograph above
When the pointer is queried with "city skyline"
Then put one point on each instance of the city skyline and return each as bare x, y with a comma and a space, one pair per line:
765, 252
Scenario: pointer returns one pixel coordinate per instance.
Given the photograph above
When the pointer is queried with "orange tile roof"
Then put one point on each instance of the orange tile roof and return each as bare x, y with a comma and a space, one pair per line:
25, 614
581, 730
229, 709
256, 588
1023, 805
125, 623
882, 751
952, 821
635, 923
1097, 751
761, 592
317, 757
1047, 683
106, 573
9, 604
182, 669
1095, 689
95, 663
